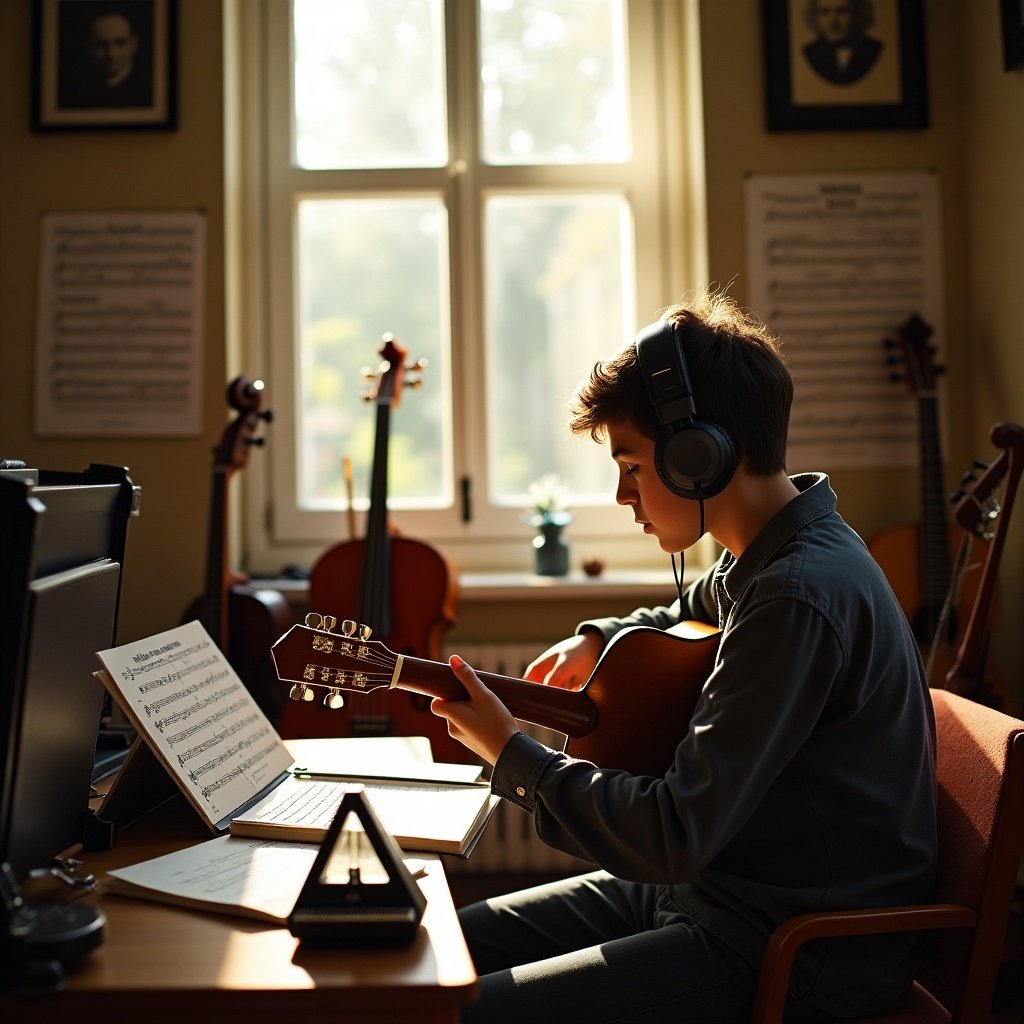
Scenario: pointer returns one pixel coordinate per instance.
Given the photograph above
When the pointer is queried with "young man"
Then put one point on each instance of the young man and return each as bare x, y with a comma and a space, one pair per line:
805, 780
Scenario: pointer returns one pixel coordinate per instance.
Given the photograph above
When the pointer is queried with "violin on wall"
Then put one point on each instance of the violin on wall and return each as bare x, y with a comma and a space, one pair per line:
404, 590
242, 621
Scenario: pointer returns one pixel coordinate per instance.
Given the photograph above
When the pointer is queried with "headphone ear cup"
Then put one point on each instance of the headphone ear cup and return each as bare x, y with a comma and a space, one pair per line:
697, 452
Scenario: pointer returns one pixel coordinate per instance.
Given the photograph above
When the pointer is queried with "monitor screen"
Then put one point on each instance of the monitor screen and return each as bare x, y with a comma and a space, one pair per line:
61, 561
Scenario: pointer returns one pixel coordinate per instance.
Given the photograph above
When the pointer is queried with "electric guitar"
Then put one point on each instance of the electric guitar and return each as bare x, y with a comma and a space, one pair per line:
630, 714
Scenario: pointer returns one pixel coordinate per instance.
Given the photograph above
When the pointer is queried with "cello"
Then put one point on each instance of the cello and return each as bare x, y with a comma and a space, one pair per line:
404, 590
242, 621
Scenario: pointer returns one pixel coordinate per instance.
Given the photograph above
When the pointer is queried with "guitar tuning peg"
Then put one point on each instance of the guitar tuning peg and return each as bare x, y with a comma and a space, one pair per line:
968, 478
329, 623
366, 373
334, 700
369, 395
415, 382
365, 632
420, 364
348, 627
256, 442
978, 464
955, 496
300, 691
314, 620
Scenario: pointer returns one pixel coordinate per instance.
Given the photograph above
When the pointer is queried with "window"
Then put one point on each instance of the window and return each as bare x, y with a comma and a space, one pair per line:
498, 185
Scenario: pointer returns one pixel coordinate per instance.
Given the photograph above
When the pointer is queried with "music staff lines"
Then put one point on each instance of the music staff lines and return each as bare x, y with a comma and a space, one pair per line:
215, 741
238, 771
172, 677
194, 709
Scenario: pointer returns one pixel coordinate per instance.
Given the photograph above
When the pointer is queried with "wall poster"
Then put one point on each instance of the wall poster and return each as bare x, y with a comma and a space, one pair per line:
837, 264
119, 325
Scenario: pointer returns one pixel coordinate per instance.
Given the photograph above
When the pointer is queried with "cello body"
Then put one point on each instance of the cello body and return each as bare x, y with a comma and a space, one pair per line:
404, 590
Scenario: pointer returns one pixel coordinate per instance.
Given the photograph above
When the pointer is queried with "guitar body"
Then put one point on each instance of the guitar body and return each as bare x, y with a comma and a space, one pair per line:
645, 688
631, 714
425, 586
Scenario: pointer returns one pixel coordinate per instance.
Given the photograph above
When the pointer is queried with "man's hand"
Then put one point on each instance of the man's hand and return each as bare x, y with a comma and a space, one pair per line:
481, 722
569, 663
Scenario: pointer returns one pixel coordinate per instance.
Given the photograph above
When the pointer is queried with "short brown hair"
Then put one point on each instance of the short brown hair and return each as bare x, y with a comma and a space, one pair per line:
738, 376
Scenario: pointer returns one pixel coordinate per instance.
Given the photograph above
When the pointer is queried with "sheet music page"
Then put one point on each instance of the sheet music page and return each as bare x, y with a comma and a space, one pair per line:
836, 264
178, 689
258, 876
119, 324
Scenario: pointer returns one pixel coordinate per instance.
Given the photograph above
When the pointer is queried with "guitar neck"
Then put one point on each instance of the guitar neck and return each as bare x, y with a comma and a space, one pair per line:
214, 603
935, 565
568, 711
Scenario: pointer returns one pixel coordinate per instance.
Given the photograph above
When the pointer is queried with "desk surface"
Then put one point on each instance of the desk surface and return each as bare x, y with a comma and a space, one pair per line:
188, 966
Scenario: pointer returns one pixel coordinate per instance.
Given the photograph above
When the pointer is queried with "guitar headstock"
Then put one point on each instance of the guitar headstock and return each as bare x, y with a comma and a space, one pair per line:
244, 395
916, 357
314, 656
390, 375
977, 499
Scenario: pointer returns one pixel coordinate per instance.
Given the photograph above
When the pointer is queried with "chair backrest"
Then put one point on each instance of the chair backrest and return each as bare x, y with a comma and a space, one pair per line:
980, 769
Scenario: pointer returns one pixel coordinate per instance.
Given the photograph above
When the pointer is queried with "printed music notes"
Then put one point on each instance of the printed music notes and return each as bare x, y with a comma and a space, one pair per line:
119, 324
836, 262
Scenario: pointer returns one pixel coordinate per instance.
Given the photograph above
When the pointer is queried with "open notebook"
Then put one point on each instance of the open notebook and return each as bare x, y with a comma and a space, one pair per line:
204, 727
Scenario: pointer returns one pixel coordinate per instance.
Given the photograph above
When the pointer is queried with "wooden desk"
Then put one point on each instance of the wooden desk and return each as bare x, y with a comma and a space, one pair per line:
160, 964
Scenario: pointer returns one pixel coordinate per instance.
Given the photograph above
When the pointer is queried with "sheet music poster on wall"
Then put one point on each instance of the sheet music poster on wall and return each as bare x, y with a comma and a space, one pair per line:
118, 326
836, 263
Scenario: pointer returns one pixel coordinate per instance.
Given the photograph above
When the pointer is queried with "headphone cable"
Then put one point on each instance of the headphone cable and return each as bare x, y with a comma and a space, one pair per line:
677, 571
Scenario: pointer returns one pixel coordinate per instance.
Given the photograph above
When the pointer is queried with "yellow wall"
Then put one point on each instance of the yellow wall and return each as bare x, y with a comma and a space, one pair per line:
975, 142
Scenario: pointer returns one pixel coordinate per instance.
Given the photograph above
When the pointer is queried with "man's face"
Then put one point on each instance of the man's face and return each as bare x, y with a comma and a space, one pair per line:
833, 20
112, 44
662, 514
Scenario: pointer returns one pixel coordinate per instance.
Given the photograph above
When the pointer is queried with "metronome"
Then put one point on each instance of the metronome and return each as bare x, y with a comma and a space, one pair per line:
359, 890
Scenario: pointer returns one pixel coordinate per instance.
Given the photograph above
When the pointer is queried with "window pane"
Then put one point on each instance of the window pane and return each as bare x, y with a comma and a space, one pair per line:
369, 83
534, 50
367, 267
559, 283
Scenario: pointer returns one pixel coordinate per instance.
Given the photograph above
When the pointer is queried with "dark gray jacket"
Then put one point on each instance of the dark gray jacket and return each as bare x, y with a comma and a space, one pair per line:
806, 778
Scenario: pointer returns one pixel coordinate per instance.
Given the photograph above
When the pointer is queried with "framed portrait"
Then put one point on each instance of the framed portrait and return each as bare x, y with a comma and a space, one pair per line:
844, 64
104, 64
1013, 33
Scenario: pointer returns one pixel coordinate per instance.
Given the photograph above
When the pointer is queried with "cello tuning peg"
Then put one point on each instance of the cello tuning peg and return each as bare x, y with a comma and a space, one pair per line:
256, 442
267, 415
334, 700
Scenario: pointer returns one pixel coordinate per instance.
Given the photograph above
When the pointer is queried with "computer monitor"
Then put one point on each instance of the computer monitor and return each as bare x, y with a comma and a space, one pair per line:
62, 552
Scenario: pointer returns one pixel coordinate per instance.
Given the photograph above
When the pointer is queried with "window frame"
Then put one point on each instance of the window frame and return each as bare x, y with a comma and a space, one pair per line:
664, 190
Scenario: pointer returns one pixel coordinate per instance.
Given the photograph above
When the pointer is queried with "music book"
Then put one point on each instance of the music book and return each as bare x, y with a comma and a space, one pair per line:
185, 700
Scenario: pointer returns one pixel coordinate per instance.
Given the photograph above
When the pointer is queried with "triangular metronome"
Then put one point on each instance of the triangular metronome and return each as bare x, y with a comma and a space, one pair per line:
359, 891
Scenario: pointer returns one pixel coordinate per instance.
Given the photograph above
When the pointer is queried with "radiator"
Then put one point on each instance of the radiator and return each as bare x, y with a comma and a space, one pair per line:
509, 844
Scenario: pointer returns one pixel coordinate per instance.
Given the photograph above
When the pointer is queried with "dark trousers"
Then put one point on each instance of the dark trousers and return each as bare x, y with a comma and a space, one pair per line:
596, 950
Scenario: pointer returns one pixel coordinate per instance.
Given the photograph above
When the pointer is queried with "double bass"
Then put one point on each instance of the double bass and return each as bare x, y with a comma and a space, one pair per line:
404, 590
243, 621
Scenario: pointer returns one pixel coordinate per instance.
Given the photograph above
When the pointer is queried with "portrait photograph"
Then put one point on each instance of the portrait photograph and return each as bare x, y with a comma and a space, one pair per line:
834, 64
104, 65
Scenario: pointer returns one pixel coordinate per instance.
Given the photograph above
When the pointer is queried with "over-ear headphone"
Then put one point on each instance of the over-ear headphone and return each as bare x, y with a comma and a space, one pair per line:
695, 458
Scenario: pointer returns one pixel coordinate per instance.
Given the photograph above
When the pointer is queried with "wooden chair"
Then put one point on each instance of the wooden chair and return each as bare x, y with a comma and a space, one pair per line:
980, 768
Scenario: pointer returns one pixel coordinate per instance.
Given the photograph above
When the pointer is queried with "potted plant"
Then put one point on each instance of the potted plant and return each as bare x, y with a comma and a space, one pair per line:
547, 512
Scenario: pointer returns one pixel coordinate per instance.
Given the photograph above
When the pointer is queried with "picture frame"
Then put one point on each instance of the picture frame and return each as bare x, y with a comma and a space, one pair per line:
1012, 12
864, 73
104, 65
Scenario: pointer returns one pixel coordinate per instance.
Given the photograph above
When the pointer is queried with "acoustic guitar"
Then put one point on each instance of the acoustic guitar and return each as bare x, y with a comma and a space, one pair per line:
917, 558
630, 714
